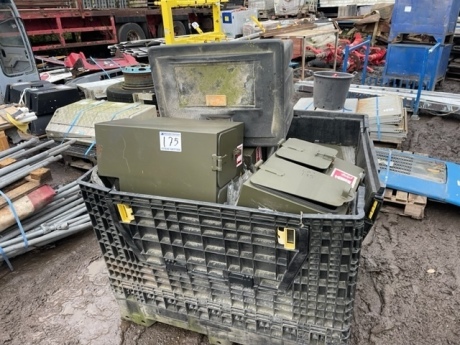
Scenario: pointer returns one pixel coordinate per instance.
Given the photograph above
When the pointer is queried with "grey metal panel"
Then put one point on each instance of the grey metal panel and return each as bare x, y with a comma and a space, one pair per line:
253, 77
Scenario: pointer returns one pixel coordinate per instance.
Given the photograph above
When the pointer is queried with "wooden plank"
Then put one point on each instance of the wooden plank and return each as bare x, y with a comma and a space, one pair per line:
401, 196
7, 161
417, 199
19, 192
388, 193
40, 175
4, 124
4, 145
415, 211
293, 28
81, 164
414, 205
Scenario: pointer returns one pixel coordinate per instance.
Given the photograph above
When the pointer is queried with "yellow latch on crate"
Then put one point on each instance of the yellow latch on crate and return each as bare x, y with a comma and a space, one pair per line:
373, 208
287, 237
126, 213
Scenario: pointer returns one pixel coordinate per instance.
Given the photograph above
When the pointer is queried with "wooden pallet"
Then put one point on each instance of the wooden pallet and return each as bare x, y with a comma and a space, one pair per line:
79, 162
393, 146
412, 205
28, 184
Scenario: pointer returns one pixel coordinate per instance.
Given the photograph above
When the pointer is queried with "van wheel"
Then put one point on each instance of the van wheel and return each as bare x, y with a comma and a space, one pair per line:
130, 32
179, 29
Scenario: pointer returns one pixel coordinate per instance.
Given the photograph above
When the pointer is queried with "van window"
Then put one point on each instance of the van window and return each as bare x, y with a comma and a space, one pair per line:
14, 58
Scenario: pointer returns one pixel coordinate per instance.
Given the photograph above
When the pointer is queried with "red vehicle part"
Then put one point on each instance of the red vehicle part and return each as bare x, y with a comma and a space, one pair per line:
79, 61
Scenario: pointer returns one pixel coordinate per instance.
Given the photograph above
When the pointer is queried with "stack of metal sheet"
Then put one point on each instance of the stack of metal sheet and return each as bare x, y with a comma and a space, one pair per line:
138, 49
387, 115
77, 120
387, 118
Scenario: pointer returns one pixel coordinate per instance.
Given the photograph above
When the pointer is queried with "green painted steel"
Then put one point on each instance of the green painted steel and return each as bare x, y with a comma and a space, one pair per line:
179, 158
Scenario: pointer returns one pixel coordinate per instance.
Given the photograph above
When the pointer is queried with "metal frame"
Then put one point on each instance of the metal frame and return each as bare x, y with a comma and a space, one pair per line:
349, 49
71, 18
216, 35
431, 82
304, 35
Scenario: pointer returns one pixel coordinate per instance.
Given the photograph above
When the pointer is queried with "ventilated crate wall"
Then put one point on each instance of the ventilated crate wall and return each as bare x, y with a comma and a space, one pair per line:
213, 266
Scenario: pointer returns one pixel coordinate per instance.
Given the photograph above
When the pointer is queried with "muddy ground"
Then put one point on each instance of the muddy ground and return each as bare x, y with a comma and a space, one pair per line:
60, 294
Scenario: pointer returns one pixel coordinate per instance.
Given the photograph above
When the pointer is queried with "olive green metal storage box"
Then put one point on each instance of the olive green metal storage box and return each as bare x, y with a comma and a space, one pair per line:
179, 158
303, 177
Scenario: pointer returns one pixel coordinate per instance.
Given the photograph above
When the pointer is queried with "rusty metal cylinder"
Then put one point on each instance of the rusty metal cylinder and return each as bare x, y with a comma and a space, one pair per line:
137, 77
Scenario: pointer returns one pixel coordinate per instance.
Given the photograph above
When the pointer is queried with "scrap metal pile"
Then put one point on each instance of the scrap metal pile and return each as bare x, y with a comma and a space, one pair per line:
32, 213
356, 58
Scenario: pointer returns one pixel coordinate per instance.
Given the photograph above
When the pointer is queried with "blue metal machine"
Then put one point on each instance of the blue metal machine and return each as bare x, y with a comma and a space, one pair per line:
424, 17
423, 63
436, 179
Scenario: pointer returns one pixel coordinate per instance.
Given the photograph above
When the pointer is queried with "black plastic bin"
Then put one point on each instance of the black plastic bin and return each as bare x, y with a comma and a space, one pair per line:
221, 271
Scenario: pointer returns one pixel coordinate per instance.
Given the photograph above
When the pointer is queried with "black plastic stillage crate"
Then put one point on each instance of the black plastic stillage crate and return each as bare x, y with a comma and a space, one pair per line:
222, 270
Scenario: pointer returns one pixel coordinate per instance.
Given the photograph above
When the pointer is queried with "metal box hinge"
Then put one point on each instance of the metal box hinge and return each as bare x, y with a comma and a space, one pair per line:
217, 162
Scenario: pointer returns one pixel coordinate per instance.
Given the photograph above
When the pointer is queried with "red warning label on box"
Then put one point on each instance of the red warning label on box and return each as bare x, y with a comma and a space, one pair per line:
258, 153
344, 176
239, 155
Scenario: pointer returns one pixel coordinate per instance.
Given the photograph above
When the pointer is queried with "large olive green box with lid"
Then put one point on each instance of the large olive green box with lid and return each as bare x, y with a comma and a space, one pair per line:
180, 158
303, 177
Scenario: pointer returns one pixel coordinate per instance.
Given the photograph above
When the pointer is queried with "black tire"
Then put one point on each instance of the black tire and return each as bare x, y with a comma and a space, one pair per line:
179, 29
160, 31
130, 32
116, 93
206, 24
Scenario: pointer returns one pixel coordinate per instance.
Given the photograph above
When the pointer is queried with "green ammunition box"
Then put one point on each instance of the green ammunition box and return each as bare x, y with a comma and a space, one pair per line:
302, 177
321, 158
180, 158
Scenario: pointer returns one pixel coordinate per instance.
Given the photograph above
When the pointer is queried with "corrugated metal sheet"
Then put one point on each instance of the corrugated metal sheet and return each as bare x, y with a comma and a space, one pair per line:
388, 109
387, 118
